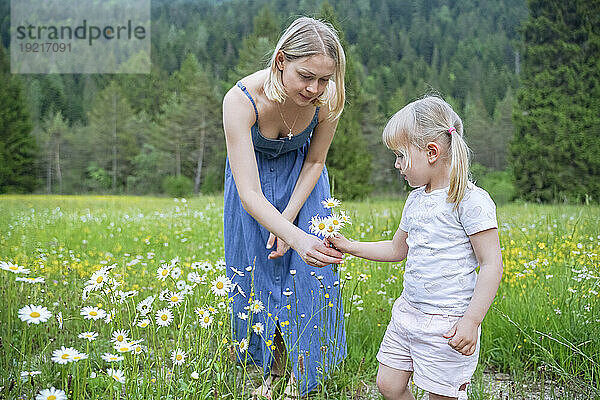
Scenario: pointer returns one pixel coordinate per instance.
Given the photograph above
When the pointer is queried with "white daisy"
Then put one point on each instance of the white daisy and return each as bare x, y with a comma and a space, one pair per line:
63, 355
258, 328
220, 265
175, 272
79, 356
206, 321
34, 314
109, 317
195, 277
17, 269
201, 312
206, 266
174, 299
94, 313
145, 306
98, 279
51, 394
195, 375
27, 374
257, 306
345, 218
59, 319
181, 284
237, 271
88, 335
318, 226
178, 357
30, 279
242, 316
221, 286
116, 374
164, 317
243, 345
337, 221
143, 323
330, 202
120, 336
108, 357
138, 348
163, 272
123, 347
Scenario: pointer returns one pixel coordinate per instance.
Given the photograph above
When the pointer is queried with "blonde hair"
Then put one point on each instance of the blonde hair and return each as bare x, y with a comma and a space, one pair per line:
431, 119
303, 38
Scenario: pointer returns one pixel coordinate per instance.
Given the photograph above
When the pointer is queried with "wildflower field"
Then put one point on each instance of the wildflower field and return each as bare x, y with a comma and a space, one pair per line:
126, 298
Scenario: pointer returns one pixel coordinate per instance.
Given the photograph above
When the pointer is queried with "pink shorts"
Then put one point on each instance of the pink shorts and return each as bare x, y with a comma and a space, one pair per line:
414, 342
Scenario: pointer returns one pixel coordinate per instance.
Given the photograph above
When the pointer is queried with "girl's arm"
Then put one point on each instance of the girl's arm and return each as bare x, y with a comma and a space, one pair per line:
394, 250
486, 246
238, 117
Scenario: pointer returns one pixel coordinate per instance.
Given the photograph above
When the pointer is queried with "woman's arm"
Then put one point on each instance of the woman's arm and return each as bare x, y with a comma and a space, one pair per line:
394, 250
238, 117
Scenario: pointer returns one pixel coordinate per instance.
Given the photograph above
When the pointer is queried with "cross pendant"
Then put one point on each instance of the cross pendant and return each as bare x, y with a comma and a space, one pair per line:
290, 135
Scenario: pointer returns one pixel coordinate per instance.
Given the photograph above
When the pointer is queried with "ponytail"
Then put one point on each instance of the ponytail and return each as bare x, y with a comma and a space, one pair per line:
459, 166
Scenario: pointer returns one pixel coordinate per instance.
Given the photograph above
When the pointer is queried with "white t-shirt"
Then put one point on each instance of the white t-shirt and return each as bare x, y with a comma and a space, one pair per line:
440, 275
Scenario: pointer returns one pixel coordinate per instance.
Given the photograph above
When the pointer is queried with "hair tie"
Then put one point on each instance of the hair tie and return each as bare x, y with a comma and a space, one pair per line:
453, 129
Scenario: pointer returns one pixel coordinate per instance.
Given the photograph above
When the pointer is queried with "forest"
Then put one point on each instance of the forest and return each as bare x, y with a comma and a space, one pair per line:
523, 76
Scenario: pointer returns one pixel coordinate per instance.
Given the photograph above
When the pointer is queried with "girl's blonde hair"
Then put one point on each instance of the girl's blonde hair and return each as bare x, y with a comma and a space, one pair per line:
303, 38
431, 119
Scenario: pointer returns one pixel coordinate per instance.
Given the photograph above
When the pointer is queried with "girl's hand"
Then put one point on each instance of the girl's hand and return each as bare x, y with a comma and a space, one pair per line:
340, 242
314, 252
282, 247
463, 336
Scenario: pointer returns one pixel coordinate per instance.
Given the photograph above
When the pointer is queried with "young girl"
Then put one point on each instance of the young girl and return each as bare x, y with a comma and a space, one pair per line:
448, 228
279, 123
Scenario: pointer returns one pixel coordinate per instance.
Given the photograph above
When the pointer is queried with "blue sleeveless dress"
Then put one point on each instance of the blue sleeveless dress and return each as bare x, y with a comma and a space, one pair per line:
303, 301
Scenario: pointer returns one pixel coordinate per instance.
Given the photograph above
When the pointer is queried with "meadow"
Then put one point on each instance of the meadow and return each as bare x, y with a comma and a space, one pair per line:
125, 297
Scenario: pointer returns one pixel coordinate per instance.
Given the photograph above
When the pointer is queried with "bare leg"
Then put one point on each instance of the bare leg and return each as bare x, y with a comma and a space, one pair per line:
393, 383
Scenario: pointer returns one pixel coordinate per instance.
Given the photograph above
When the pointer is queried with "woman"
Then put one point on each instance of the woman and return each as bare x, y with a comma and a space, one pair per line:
279, 124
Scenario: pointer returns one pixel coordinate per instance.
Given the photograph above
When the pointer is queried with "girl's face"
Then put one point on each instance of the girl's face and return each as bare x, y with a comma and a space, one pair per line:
306, 78
417, 174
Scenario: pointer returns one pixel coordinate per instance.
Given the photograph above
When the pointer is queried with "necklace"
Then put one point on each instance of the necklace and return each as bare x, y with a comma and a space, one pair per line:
289, 135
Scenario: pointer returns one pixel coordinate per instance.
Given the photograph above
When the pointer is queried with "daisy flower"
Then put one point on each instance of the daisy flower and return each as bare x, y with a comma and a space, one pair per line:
123, 347
205, 266
221, 286
242, 316
163, 272
201, 312
63, 355
30, 279
51, 394
257, 306
164, 317
116, 374
220, 265
34, 314
174, 299
178, 356
98, 279
79, 356
206, 321
181, 284
94, 313
318, 226
17, 269
143, 323
237, 271
120, 336
258, 328
345, 218
175, 272
145, 306
88, 335
330, 202
243, 345
109, 317
26, 374
336, 221
59, 319
108, 357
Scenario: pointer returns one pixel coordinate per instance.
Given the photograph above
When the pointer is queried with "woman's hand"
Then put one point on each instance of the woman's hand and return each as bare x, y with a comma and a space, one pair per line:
463, 336
281, 248
315, 253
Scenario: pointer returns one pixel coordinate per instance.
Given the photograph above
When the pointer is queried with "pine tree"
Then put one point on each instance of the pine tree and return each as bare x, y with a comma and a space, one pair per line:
349, 161
17, 145
557, 139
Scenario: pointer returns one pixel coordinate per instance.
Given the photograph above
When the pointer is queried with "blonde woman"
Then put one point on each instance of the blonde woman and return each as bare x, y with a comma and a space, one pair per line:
279, 123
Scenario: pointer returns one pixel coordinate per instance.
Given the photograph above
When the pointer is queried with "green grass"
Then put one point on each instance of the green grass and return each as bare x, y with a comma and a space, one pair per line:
543, 328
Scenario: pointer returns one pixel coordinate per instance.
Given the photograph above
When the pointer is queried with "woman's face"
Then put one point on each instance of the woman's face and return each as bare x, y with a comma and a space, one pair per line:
306, 78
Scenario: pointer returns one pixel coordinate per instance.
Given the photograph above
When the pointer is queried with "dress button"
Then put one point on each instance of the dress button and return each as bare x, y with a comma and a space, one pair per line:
271, 169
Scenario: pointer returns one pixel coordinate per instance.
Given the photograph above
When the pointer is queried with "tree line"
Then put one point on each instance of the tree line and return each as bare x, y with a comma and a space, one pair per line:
162, 132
